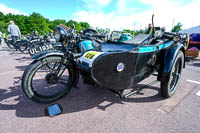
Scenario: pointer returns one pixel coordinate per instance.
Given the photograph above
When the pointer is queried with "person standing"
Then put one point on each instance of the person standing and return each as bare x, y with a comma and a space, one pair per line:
14, 31
0, 37
150, 29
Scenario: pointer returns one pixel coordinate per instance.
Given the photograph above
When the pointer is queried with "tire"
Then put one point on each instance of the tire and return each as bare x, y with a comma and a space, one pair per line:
31, 85
23, 45
169, 88
10, 45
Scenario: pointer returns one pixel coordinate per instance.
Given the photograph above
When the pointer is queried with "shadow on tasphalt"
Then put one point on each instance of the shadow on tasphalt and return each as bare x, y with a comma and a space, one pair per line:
79, 99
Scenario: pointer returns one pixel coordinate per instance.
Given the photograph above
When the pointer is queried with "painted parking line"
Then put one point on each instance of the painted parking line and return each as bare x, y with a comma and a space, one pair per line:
198, 93
192, 81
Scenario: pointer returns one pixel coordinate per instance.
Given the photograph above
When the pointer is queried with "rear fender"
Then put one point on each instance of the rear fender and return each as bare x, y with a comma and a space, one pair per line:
169, 59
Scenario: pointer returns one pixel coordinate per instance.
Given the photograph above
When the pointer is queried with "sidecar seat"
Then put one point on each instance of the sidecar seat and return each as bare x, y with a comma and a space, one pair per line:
140, 39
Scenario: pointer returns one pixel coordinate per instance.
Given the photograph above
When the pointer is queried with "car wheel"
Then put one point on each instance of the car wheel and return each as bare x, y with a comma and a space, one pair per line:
168, 88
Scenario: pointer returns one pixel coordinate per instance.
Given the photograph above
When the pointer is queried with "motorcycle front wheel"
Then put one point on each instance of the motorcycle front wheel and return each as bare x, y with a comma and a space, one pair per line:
23, 45
45, 84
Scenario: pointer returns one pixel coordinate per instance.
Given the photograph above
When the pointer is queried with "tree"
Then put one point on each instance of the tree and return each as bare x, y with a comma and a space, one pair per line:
177, 27
55, 23
84, 25
3, 27
36, 22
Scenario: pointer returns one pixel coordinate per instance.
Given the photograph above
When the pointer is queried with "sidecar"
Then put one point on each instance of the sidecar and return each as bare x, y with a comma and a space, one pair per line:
121, 65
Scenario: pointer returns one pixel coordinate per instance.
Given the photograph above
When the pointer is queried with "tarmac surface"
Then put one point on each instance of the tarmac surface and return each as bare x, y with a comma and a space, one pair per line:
92, 109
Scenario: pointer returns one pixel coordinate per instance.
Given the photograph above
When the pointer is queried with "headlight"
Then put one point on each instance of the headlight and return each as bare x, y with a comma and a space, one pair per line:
176, 38
60, 34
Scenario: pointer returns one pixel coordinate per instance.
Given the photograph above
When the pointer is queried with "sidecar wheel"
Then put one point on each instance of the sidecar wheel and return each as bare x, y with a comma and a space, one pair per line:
41, 84
168, 88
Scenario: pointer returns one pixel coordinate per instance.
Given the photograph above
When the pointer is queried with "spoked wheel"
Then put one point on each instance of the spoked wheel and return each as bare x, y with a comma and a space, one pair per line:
168, 88
45, 84
10, 45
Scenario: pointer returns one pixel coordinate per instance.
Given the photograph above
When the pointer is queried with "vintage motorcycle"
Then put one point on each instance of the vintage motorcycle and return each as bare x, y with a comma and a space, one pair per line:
113, 65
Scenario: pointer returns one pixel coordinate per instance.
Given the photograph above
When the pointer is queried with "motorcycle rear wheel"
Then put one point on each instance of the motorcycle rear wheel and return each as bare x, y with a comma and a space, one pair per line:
40, 83
10, 45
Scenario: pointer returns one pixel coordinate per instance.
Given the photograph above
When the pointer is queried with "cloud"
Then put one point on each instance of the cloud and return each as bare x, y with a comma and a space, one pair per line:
167, 13
5, 10
92, 4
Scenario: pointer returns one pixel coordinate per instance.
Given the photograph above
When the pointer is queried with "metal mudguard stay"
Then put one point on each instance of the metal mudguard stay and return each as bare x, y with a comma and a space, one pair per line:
170, 56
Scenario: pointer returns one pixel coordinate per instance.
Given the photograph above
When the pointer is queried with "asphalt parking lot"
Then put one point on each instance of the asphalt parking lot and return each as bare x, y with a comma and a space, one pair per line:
92, 109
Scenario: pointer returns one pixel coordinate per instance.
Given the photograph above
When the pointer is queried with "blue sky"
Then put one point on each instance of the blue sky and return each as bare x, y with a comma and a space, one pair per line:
64, 9
114, 14
52, 9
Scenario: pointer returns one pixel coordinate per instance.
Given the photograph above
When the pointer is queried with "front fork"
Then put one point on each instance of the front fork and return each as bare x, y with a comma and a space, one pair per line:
69, 60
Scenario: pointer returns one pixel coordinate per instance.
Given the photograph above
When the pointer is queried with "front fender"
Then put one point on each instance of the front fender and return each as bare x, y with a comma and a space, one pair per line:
169, 59
46, 54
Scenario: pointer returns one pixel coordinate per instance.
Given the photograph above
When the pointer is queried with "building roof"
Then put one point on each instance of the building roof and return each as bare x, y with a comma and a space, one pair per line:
195, 29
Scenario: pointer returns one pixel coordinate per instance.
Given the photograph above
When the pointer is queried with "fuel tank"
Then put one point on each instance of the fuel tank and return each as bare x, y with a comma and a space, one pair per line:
85, 45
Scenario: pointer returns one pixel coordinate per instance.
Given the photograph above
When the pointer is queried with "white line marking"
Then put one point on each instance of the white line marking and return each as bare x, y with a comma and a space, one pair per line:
192, 81
198, 93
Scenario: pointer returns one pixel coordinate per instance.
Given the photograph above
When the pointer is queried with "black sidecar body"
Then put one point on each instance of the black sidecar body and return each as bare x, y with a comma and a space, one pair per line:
119, 65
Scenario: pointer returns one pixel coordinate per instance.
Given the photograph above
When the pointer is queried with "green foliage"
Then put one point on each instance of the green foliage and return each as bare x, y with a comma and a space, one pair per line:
84, 25
134, 32
36, 22
100, 30
3, 27
177, 27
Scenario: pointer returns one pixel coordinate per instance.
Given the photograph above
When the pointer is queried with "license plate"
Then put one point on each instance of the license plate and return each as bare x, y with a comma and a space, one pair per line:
38, 49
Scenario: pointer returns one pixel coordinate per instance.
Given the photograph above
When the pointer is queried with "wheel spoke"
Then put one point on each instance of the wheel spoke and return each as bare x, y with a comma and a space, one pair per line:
44, 79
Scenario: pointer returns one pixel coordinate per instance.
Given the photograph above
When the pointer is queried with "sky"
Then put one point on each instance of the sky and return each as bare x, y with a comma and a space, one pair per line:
112, 14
